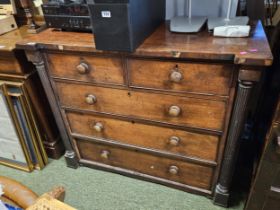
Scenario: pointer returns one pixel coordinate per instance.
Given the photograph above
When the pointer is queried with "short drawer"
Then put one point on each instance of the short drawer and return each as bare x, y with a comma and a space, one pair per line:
147, 136
213, 79
176, 110
169, 169
96, 69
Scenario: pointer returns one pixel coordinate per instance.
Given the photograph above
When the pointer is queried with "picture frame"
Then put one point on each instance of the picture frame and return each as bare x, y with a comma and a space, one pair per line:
27, 152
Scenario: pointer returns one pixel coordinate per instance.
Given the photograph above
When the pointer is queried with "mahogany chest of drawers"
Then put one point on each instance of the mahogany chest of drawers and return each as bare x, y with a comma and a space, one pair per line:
171, 112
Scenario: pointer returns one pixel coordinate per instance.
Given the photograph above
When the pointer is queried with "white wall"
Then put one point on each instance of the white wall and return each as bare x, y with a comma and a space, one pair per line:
209, 8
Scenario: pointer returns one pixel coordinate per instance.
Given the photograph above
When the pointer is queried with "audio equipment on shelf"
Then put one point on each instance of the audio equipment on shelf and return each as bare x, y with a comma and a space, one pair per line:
71, 15
122, 25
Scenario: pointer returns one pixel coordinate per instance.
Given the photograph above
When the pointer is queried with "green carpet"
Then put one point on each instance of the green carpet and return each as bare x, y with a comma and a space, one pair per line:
89, 189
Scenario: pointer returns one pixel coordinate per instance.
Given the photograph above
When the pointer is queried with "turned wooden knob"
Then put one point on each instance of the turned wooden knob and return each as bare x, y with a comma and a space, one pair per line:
174, 141
173, 170
176, 76
174, 111
98, 127
82, 68
105, 154
91, 99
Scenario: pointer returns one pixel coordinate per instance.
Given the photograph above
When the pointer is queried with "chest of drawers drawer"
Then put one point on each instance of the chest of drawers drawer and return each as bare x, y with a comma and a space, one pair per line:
170, 169
176, 110
96, 69
147, 136
181, 76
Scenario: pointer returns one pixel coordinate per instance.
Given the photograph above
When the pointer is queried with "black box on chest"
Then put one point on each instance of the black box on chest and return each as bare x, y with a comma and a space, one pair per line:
122, 25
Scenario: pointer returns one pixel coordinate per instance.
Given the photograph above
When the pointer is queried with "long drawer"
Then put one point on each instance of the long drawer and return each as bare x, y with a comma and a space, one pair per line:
147, 136
176, 110
181, 76
170, 169
96, 69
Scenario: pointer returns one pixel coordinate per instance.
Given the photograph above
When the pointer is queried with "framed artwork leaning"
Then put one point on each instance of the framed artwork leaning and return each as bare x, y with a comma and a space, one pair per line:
20, 142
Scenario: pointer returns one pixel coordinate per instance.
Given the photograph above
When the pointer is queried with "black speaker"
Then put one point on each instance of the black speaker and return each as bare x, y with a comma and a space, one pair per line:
122, 25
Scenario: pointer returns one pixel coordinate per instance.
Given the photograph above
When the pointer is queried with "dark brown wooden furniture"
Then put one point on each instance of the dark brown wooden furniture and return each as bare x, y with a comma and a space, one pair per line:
255, 9
14, 67
171, 112
265, 192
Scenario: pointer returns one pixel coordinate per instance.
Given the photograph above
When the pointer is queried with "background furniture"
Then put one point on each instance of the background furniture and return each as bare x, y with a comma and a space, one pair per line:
265, 188
265, 192
14, 67
177, 104
256, 9
29, 13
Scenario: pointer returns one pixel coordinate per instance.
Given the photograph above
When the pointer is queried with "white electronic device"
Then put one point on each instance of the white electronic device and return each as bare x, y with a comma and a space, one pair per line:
227, 21
232, 31
187, 24
7, 20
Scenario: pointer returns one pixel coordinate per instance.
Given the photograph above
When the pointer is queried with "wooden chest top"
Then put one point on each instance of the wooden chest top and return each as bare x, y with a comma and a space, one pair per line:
254, 50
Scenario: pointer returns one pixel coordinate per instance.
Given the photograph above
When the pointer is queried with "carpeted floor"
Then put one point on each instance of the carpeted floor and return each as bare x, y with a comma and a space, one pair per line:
88, 189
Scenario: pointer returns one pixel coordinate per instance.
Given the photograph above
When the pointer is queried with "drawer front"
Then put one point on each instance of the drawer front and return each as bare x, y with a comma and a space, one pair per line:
147, 136
178, 171
181, 77
9, 65
157, 107
94, 69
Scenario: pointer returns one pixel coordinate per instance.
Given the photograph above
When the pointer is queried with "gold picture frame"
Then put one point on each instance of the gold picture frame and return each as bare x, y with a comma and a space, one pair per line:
27, 131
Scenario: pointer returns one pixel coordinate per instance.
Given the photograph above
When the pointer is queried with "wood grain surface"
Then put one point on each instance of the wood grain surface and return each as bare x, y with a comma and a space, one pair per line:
101, 69
148, 136
198, 113
9, 65
189, 174
196, 77
162, 43
13, 61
